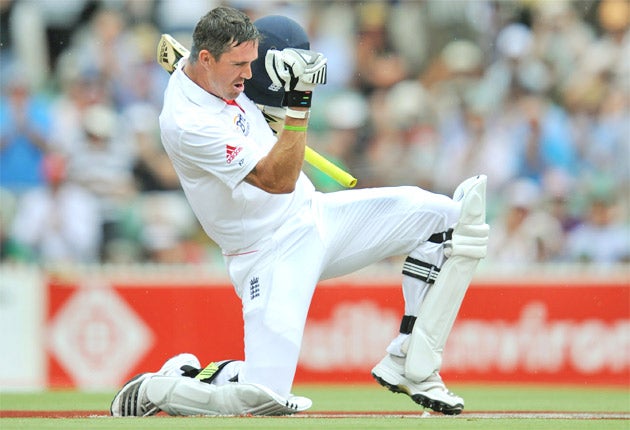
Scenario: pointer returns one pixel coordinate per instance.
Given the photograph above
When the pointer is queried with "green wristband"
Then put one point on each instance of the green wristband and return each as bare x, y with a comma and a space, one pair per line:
295, 127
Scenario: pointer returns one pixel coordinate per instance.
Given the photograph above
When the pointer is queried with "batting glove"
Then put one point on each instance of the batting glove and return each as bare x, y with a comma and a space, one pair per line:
298, 71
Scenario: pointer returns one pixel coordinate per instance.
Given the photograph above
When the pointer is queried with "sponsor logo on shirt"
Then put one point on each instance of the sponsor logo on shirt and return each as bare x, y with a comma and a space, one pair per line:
231, 152
241, 122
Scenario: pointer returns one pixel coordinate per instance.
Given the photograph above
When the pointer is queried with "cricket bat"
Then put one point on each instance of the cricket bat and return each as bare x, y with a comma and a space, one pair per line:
169, 54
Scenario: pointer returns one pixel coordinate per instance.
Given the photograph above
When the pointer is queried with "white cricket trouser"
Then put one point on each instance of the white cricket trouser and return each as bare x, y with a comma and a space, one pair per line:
338, 234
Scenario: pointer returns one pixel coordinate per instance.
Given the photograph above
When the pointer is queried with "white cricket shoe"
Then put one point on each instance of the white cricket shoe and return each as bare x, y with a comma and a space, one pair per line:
278, 405
430, 393
131, 400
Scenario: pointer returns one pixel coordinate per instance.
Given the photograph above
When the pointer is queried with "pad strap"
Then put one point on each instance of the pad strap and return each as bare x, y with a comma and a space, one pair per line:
442, 236
420, 270
211, 371
406, 325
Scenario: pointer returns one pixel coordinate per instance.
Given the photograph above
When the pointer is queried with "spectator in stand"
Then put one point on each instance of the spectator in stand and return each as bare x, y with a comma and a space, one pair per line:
381, 66
78, 91
10, 249
24, 128
332, 31
404, 144
164, 217
603, 238
613, 16
470, 138
143, 80
560, 35
101, 161
340, 136
60, 221
539, 128
59, 20
152, 169
523, 234
467, 106
543, 137
559, 199
105, 46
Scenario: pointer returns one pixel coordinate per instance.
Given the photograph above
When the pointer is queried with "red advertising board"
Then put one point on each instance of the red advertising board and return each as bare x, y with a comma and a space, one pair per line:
102, 331
543, 333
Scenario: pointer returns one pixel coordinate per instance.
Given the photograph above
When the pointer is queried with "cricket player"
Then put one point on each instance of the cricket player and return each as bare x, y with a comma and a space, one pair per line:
280, 236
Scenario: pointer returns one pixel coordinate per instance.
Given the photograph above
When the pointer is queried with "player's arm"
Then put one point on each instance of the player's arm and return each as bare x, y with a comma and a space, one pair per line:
297, 71
278, 171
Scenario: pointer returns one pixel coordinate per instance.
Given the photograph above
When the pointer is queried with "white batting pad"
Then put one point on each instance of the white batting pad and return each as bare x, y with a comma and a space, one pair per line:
439, 309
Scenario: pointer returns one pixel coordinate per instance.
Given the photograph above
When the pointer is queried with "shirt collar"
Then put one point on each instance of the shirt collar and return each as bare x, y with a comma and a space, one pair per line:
196, 94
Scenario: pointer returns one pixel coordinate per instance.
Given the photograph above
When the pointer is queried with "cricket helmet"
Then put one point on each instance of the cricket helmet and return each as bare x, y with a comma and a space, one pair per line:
278, 32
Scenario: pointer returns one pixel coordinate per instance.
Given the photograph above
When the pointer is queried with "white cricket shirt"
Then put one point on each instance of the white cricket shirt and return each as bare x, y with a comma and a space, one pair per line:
213, 146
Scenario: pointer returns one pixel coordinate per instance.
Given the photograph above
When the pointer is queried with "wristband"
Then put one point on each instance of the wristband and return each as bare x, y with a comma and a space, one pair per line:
295, 127
298, 98
298, 114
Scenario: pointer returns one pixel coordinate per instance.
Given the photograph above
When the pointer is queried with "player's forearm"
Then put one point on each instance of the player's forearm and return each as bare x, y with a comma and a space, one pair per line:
279, 170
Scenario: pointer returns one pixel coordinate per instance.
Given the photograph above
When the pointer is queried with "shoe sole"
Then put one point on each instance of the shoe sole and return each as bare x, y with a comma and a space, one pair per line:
420, 399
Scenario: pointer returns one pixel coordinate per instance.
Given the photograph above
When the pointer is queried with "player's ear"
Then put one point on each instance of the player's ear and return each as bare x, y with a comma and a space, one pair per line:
206, 59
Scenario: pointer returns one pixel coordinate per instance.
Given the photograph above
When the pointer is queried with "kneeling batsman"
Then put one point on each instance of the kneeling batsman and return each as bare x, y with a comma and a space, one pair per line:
181, 387
283, 82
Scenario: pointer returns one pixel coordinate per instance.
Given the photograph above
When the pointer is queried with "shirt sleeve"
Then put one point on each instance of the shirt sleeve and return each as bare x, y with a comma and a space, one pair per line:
222, 151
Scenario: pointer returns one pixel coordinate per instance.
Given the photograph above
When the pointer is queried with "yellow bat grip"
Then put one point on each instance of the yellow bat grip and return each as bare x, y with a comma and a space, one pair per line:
332, 170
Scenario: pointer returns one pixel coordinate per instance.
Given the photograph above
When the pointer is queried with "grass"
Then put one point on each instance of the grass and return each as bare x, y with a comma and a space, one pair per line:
309, 423
356, 398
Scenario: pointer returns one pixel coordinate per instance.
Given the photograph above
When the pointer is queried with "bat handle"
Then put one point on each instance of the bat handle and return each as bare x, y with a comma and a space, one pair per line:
335, 172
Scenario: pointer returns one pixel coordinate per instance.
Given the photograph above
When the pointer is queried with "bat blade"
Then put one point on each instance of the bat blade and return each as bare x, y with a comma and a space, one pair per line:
169, 52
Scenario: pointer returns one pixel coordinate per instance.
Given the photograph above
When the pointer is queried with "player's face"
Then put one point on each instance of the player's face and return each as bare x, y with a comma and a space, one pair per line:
228, 74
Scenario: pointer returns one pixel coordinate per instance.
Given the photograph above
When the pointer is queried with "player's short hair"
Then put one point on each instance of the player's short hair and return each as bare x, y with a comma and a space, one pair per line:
221, 29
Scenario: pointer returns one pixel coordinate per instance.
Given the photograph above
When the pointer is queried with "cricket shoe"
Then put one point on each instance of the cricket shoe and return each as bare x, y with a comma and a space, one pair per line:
430, 393
131, 400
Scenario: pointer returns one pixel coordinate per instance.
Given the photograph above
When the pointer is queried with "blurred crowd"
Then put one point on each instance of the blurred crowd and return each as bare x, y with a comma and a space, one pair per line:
535, 94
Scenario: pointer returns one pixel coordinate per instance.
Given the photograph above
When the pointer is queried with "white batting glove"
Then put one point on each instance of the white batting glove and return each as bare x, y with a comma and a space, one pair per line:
296, 69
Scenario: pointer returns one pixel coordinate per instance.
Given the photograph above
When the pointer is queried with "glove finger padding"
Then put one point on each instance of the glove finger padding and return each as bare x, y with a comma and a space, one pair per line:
278, 70
309, 67
296, 69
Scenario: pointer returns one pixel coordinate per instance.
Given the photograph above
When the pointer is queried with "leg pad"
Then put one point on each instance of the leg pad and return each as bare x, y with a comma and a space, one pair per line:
187, 396
439, 309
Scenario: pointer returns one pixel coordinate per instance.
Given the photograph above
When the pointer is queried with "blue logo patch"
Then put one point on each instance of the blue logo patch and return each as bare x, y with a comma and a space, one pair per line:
242, 123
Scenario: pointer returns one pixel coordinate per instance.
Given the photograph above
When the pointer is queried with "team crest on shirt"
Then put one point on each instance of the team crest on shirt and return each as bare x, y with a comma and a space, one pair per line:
254, 288
242, 124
